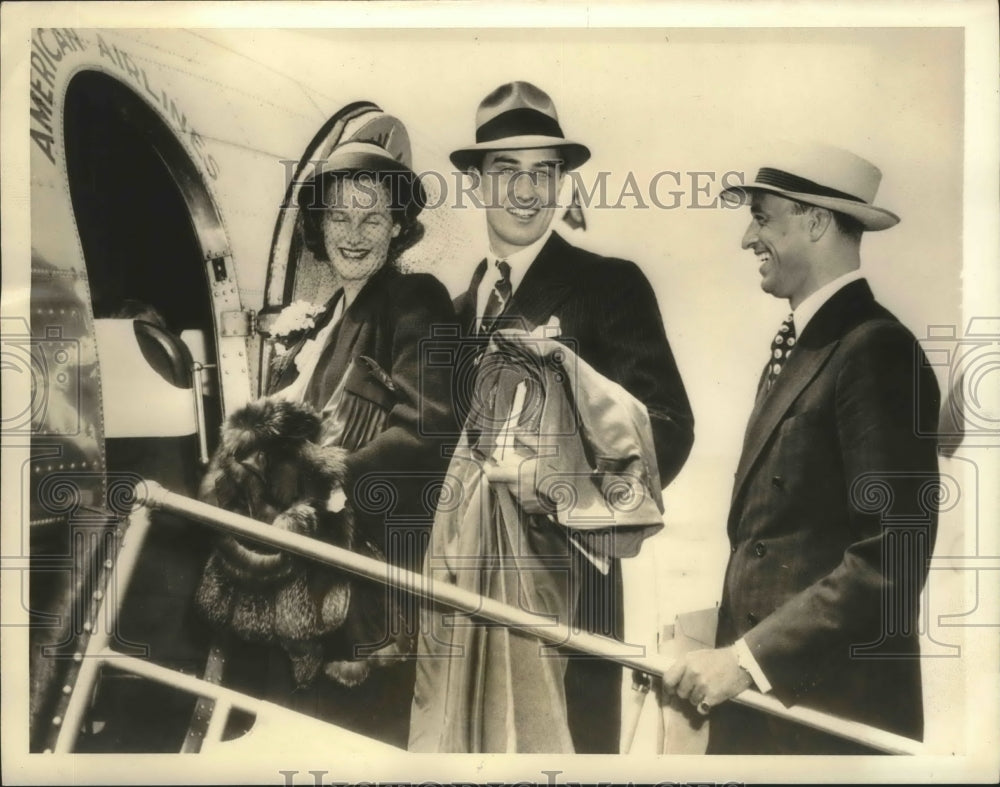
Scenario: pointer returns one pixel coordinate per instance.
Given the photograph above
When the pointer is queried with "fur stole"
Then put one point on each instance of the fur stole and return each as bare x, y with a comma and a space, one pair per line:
269, 467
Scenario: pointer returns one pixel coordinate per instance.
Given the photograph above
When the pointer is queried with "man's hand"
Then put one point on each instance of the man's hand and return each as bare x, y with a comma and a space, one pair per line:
707, 677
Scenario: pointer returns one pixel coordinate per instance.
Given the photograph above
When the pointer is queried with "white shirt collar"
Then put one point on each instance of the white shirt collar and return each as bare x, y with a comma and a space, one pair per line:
519, 263
808, 308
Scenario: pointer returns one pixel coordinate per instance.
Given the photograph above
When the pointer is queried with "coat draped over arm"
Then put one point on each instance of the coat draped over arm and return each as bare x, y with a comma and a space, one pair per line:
555, 459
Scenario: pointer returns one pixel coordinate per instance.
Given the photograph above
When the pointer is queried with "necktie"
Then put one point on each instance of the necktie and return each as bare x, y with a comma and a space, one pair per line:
781, 348
498, 298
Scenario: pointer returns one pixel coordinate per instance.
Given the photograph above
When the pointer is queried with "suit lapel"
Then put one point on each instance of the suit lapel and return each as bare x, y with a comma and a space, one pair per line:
546, 283
356, 316
357, 324
771, 407
465, 304
814, 348
345, 337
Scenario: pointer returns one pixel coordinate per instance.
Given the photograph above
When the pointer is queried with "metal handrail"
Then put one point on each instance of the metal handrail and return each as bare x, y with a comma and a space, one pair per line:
544, 628
197, 387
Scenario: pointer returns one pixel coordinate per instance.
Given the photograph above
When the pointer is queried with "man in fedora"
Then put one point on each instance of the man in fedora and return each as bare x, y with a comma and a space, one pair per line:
605, 311
832, 520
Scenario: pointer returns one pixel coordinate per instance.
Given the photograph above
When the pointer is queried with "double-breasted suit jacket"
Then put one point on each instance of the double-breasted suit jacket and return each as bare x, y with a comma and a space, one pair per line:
830, 529
608, 314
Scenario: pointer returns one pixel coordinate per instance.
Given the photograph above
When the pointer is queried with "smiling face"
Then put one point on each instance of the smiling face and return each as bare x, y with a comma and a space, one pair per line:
780, 238
357, 227
520, 189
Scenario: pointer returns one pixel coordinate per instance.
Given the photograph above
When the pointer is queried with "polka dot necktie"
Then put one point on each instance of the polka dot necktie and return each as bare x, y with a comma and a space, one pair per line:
498, 298
781, 347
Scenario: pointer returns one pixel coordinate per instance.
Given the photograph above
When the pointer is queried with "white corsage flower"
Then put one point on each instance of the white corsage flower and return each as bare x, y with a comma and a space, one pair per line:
292, 322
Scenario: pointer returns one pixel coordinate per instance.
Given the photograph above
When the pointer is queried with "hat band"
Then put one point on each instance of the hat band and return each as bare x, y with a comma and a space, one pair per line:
522, 121
789, 182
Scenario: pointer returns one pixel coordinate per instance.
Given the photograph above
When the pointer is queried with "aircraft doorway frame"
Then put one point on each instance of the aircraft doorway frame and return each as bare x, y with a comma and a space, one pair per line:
232, 325
76, 507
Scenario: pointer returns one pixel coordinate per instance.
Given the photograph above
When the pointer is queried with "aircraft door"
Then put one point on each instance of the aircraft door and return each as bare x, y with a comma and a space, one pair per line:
156, 297
155, 248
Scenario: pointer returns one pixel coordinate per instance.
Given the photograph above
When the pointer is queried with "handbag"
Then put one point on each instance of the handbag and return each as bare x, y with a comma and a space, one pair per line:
359, 407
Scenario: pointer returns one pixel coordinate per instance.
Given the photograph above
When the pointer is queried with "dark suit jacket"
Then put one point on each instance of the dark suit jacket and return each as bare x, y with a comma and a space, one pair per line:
607, 309
830, 528
609, 316
387, 478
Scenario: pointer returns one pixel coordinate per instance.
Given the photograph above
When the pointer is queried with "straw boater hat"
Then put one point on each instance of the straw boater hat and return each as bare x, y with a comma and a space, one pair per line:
518, 116
365, 140
821, 175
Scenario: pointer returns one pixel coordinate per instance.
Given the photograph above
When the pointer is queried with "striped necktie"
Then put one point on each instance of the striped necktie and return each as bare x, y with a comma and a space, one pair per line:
497, 301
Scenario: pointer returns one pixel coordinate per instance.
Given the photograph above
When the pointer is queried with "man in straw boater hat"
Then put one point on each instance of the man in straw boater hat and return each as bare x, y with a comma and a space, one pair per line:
832, 517
605, 311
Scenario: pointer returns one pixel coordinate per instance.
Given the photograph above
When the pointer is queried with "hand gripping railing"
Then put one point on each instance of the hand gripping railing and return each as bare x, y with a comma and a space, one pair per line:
155, 496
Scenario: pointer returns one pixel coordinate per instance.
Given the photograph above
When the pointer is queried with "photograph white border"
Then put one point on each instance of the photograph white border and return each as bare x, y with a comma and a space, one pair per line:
981, 285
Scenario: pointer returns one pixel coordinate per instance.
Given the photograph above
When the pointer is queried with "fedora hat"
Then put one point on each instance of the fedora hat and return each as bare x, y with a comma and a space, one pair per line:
822, 175
518, 116
361, 139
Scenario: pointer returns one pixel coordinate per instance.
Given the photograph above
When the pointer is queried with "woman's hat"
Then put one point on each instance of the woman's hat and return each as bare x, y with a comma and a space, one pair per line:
822, 175
362, 139
518, 116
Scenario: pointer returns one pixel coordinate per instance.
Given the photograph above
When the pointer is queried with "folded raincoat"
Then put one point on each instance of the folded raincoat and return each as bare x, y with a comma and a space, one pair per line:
555, 460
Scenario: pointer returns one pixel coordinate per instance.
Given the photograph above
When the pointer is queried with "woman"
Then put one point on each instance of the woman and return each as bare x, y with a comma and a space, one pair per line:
358, 215
383, 419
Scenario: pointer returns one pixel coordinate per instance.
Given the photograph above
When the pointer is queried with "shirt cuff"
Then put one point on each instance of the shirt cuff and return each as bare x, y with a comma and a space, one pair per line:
746, 660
